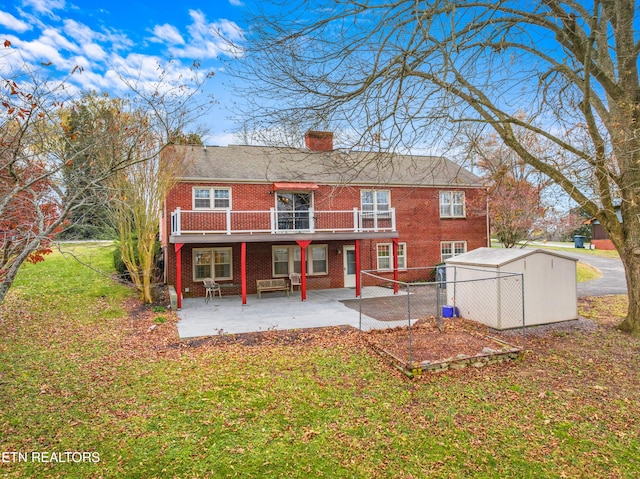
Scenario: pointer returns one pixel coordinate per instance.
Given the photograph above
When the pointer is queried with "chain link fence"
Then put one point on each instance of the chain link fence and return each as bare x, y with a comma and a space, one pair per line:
453, 313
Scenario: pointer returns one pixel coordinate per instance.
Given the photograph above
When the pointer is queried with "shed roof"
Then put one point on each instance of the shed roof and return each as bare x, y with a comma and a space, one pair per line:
497, 257
241, 163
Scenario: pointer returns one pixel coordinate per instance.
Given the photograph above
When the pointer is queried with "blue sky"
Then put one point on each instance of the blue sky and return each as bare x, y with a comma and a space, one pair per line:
119, 37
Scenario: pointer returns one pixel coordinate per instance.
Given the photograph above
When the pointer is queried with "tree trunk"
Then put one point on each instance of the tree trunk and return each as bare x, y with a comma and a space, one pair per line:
631, 260
13, 269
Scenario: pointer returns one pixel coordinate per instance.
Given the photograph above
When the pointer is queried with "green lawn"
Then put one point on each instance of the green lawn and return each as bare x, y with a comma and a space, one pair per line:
586, 272
81, 372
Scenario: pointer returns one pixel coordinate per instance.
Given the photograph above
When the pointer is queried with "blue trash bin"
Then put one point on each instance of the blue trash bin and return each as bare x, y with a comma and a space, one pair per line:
578, 241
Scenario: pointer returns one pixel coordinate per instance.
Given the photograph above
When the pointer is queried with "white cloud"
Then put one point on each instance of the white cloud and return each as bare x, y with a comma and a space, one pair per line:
136, 65
107, 59
12, 23
199, 26
222, 139
80, 32
37, 51
89, 80
209, 40
229, 30
94, 51
44, 6
55, 39
167, 34
118, 41
236, 3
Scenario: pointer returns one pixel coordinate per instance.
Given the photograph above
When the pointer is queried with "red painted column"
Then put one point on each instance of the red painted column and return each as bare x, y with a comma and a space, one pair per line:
303, 267
358, 285
178, 248
395, 266
243, 271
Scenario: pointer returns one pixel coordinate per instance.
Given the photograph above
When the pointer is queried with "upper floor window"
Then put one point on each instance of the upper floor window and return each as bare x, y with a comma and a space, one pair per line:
211, 198
378, 201
293, 210
452, 204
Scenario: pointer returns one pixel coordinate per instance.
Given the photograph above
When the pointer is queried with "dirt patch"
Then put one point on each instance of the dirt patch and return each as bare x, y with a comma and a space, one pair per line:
458, 337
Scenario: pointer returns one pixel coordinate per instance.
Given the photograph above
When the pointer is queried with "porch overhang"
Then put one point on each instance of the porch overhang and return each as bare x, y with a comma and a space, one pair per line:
278, 238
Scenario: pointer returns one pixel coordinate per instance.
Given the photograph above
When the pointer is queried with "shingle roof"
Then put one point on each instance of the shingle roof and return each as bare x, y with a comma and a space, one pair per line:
270, 164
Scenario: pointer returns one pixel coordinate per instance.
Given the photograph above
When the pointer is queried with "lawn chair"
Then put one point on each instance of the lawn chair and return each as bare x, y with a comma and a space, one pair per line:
211, 287
294, 279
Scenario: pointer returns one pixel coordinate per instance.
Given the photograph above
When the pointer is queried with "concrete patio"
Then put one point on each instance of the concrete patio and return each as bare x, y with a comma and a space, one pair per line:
274, 311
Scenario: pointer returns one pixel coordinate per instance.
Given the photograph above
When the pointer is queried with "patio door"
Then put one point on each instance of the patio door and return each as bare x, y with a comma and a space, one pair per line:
293, 211
349, 258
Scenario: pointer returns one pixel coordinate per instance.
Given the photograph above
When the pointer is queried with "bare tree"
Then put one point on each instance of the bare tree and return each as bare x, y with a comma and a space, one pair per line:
36, 196
516, 207
415, 72
138, 195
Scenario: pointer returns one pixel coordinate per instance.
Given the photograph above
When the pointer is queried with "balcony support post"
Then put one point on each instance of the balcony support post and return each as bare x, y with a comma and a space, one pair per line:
272, 218
178, 250
303, 267
358, 285
312, 226
243, 271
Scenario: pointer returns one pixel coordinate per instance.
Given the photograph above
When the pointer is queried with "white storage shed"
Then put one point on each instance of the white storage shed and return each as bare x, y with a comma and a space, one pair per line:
482, 286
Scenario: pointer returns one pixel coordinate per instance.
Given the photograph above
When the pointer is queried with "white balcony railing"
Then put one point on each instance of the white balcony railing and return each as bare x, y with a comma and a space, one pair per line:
229, 221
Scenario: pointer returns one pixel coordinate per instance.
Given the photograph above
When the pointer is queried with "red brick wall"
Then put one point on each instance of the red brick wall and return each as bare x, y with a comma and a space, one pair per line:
319, 140
603, 244
417, 220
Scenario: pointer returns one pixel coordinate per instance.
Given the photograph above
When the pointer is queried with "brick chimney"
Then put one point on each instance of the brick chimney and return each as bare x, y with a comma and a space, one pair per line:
319, 140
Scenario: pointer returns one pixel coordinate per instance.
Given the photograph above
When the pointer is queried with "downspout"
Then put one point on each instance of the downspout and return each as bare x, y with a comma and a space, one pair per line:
395, 266
487, 217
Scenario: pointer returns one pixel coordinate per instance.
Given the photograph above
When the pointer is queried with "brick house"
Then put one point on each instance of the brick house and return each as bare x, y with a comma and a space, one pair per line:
244, 213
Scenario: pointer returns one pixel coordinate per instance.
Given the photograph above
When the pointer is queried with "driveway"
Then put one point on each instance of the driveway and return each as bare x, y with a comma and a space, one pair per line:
612, 281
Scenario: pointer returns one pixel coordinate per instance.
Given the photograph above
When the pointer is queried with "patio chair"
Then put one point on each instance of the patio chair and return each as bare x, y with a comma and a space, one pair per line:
211, 287
294, 279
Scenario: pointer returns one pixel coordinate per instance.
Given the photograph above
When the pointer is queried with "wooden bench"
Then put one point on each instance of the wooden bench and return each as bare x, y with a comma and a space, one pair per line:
278, 284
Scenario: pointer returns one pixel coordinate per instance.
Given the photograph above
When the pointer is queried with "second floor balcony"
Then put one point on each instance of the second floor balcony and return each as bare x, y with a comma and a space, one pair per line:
274, 222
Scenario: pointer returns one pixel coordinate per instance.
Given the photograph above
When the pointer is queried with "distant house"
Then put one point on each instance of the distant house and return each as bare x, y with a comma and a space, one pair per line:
599, 237
245, 213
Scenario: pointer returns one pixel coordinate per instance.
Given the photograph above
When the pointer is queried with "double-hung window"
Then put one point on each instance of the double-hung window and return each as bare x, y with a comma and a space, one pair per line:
385, 255
287, 259
376, 209
213, 263
211, 198
376, 202
452, 204
448, 249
